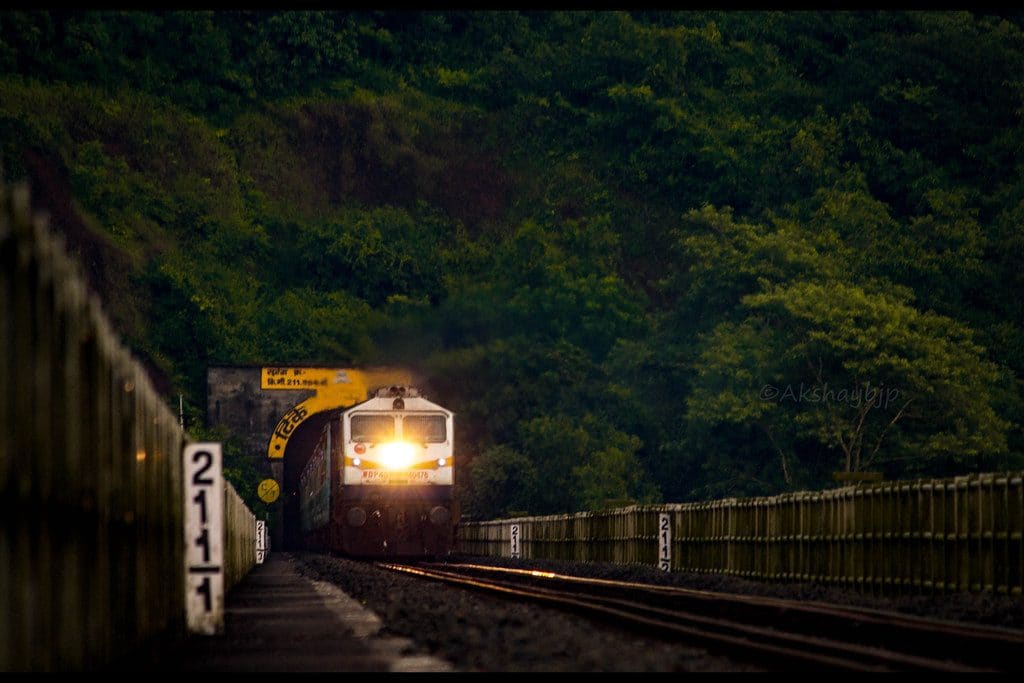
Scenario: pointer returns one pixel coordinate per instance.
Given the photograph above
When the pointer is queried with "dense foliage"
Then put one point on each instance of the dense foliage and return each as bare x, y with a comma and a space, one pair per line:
648, 256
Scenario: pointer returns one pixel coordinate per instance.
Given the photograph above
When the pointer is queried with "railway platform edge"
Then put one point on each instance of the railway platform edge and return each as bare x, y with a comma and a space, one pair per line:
277, 620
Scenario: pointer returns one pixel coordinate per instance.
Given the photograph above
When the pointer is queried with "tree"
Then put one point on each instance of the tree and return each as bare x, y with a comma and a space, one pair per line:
582, 463
500, 481
863, 376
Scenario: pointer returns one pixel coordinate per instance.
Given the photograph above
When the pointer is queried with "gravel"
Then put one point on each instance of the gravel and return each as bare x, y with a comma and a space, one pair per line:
476, 632
480, 633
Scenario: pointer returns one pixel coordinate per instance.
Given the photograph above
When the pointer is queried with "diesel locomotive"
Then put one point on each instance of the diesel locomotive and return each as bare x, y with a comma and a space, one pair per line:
380, 481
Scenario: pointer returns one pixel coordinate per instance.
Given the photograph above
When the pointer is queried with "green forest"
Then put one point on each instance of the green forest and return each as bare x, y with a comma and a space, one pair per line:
645, 256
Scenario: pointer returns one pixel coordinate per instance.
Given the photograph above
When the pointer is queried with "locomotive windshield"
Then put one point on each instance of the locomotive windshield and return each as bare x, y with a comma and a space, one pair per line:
373, 428
424, 428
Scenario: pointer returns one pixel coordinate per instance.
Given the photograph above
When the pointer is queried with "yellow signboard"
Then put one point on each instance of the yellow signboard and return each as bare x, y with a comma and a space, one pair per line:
334, 387
268, 490
294, 379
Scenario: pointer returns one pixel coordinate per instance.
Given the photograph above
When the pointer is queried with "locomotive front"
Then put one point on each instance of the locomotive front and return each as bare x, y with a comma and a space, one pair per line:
396, 493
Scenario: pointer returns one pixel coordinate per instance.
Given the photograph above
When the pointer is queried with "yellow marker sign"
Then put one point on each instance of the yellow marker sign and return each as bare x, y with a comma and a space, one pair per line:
334, 387
268, 490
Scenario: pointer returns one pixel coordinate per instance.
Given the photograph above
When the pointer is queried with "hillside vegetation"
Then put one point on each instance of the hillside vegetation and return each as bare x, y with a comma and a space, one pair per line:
647, 256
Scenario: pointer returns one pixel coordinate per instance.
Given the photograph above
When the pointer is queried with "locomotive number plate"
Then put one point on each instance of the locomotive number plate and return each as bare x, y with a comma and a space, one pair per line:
387, 477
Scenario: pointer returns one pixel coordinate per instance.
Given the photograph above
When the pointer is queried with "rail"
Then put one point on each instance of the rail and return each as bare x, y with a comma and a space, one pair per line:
773, 632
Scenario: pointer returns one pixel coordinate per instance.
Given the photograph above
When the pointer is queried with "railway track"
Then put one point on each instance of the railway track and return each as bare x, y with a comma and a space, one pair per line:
772, 632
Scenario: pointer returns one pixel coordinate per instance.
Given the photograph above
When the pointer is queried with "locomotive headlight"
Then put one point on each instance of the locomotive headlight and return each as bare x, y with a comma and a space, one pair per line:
397, 455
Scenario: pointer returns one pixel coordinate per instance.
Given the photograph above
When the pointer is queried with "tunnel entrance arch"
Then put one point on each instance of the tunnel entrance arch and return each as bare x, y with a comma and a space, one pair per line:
297, 453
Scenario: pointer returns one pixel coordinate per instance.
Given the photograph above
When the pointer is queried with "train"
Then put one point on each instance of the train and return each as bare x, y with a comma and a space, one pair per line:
380, 481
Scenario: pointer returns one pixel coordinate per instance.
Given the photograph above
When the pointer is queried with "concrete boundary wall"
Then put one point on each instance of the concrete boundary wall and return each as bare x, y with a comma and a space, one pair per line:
901, 537
91, 537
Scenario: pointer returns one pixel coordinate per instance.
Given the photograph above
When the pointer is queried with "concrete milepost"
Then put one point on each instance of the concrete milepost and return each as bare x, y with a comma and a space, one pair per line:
261, 541
664, 542
204, 539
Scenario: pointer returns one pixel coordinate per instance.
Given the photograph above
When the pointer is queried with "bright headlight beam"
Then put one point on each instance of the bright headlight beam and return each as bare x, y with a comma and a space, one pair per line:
397, 455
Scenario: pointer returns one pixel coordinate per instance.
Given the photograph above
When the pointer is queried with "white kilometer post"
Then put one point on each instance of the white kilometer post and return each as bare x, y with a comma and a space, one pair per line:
204, 539
261, 541
515, 540
664, 542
